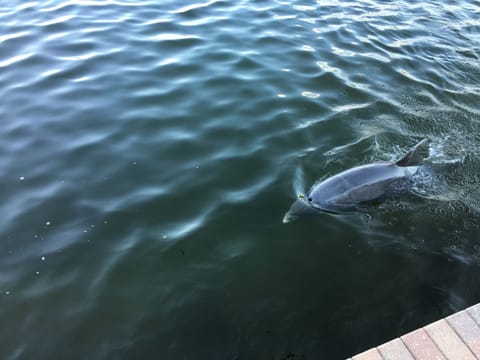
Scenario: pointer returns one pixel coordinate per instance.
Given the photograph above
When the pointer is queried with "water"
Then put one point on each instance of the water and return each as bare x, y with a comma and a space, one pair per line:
149, 151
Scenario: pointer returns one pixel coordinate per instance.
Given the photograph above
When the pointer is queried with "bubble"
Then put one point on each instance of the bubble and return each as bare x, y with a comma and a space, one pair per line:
48, 223
43, 258
22, 178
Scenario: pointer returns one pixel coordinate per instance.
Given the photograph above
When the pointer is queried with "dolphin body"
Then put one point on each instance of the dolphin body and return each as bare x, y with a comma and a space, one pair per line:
351, 188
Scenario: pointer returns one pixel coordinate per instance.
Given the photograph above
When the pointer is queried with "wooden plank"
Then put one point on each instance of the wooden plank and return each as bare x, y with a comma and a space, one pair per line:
467, 329
395, 350
421, 346
456, 337
474, 312
448, 341
371, 354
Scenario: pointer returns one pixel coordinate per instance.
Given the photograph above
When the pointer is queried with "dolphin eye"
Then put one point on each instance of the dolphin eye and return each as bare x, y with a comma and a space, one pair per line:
309, 199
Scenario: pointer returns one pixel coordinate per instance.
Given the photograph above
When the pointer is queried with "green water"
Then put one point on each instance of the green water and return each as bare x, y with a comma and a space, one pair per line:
150, 149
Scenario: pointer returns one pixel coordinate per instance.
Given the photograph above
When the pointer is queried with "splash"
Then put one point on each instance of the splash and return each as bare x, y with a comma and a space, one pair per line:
299, 182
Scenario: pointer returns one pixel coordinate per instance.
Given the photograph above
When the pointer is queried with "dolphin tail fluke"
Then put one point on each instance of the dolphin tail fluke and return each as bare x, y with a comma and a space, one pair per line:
413, 156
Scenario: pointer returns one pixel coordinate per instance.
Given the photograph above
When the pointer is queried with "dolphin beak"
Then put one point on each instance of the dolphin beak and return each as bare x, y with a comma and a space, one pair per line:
298, 209
288, 217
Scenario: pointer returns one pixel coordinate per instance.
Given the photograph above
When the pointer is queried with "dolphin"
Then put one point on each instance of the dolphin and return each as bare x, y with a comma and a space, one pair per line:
357, 186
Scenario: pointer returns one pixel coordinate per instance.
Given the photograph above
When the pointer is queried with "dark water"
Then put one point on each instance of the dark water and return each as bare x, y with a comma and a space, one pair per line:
149, 151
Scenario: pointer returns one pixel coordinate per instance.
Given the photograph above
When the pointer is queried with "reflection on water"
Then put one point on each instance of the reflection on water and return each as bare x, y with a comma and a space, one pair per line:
149, 151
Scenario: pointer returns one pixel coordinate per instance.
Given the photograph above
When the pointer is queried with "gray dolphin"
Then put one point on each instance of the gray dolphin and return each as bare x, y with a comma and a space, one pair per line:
347, 190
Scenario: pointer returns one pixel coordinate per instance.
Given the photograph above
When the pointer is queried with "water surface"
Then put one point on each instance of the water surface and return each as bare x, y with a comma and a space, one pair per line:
149, 151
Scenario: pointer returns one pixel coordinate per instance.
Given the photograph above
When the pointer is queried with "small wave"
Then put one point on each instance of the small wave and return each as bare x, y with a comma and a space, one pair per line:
57, 20
192, 7
173, 37
16, 35
67, 4
16, 59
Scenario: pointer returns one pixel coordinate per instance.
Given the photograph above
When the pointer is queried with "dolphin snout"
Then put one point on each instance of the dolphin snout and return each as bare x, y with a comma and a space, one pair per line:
299, 208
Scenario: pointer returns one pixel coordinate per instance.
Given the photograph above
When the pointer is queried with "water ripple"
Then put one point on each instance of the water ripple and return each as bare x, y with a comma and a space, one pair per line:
191, 7
16, 59
6, 37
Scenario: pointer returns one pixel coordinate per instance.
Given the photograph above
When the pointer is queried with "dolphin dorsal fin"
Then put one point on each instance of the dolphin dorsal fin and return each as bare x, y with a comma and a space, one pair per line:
413, 157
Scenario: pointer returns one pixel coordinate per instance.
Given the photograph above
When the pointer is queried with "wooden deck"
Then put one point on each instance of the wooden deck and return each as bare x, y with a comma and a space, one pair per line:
456, 337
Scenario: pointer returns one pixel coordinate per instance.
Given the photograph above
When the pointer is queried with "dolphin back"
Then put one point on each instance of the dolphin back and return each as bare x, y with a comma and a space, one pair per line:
414, 156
